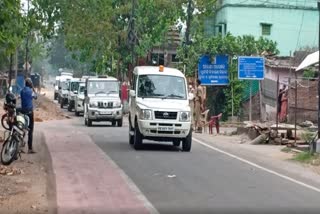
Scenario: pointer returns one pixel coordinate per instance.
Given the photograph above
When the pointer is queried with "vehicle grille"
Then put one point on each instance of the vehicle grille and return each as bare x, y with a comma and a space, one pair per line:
164, 115
105, 104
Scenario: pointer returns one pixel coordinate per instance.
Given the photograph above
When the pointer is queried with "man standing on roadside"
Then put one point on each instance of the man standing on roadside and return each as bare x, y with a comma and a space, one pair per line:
27, 108
198, 106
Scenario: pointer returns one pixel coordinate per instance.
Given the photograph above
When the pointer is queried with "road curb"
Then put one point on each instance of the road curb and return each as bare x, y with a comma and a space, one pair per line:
45, 156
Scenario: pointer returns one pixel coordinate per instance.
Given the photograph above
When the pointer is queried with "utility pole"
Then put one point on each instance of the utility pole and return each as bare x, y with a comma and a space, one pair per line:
132, 35
27, 39
188, 26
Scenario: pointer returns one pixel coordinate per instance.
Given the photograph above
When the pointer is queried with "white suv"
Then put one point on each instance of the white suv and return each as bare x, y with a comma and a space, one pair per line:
159, 107
102, 101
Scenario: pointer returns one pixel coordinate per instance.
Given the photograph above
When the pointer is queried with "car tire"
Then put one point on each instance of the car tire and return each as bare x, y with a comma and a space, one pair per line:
61, 103
137, 144
113, 123
187, 142
69, 108
131, 137
176, 142
119, 123
76, 113
89, 122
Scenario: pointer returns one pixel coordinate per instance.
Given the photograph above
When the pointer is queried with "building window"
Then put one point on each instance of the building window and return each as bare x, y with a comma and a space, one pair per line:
174, 58
266, 29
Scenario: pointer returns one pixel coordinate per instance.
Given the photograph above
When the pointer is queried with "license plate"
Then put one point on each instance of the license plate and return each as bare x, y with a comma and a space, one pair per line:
166, 129
105, 113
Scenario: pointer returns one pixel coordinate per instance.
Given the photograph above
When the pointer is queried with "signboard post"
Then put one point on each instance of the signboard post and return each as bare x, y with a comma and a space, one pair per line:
213, 71
250, 68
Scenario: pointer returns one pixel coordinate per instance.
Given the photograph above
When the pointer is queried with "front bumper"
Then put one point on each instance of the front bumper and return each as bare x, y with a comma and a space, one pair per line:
79, 107
164, 129
97, 114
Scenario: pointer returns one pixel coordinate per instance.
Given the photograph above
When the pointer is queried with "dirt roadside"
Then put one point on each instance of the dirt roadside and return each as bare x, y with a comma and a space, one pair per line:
271, 152
27, 185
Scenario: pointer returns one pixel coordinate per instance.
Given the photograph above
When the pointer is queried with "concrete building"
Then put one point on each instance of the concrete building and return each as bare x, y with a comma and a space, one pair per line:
293, 24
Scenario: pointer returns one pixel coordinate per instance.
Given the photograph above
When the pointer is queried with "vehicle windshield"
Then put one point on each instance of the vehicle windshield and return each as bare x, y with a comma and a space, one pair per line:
160, 86
81, 89
74, 86
103, 87
64, 85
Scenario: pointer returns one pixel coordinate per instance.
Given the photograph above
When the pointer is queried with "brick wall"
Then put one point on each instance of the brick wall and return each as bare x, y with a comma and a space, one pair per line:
307, 101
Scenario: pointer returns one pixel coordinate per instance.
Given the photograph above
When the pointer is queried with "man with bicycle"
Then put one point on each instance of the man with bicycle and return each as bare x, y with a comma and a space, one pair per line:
27, 95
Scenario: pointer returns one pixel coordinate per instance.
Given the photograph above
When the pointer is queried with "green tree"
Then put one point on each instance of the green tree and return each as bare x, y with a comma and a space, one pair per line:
12, 29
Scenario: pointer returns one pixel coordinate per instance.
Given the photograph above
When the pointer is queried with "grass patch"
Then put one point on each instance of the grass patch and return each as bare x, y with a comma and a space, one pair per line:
306, 157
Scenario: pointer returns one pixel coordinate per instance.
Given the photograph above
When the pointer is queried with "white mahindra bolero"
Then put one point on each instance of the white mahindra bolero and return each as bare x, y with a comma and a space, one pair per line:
159, 107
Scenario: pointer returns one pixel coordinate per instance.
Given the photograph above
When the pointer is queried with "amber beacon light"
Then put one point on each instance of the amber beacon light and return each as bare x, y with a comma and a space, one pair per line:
161, 68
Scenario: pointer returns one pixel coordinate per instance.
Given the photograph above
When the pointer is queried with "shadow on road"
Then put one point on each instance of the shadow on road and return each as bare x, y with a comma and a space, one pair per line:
158, 147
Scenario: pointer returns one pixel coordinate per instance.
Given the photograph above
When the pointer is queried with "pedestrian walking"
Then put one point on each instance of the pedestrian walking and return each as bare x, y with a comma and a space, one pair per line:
27, 95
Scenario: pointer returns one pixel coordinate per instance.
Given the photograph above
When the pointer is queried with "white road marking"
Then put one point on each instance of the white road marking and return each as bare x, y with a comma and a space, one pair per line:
258, 166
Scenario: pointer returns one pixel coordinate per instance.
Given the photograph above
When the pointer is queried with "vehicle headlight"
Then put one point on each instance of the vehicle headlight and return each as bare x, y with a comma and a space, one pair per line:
117, 104
145, 114
93, 104
184, 116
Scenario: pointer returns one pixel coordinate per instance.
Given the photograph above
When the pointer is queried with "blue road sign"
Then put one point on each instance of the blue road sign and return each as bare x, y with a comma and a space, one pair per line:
213, 71
251, 68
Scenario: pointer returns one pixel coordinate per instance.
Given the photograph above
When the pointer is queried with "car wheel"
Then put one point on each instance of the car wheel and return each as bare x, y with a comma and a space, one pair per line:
186, 142
76, 113
176, 142
69, 108
89, 122
131, 137
61, 103
119, 123
137, 138
113, 123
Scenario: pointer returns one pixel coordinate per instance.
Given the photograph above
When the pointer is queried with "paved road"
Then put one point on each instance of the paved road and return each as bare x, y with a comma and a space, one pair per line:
202, 181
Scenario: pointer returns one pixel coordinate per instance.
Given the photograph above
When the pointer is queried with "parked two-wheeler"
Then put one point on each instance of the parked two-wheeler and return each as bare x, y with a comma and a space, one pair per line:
18, 123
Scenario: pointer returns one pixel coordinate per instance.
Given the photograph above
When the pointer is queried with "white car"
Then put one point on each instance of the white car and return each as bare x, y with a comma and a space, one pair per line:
159, 107
72, 92
102, 101
56, 88
79, 99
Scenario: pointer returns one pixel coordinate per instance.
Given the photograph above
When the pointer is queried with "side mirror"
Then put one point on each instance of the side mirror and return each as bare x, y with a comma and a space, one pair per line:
191, 96
132, 93
85, 92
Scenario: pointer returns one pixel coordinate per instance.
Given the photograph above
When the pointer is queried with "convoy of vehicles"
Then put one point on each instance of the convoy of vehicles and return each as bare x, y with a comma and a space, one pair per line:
159, 107
158, 104
102, 101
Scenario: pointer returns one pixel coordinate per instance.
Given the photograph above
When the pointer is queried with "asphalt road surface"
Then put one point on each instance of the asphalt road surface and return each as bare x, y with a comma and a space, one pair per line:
202, 181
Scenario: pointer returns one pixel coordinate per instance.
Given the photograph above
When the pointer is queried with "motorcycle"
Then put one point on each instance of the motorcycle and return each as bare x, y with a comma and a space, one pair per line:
7, 119
14, 142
